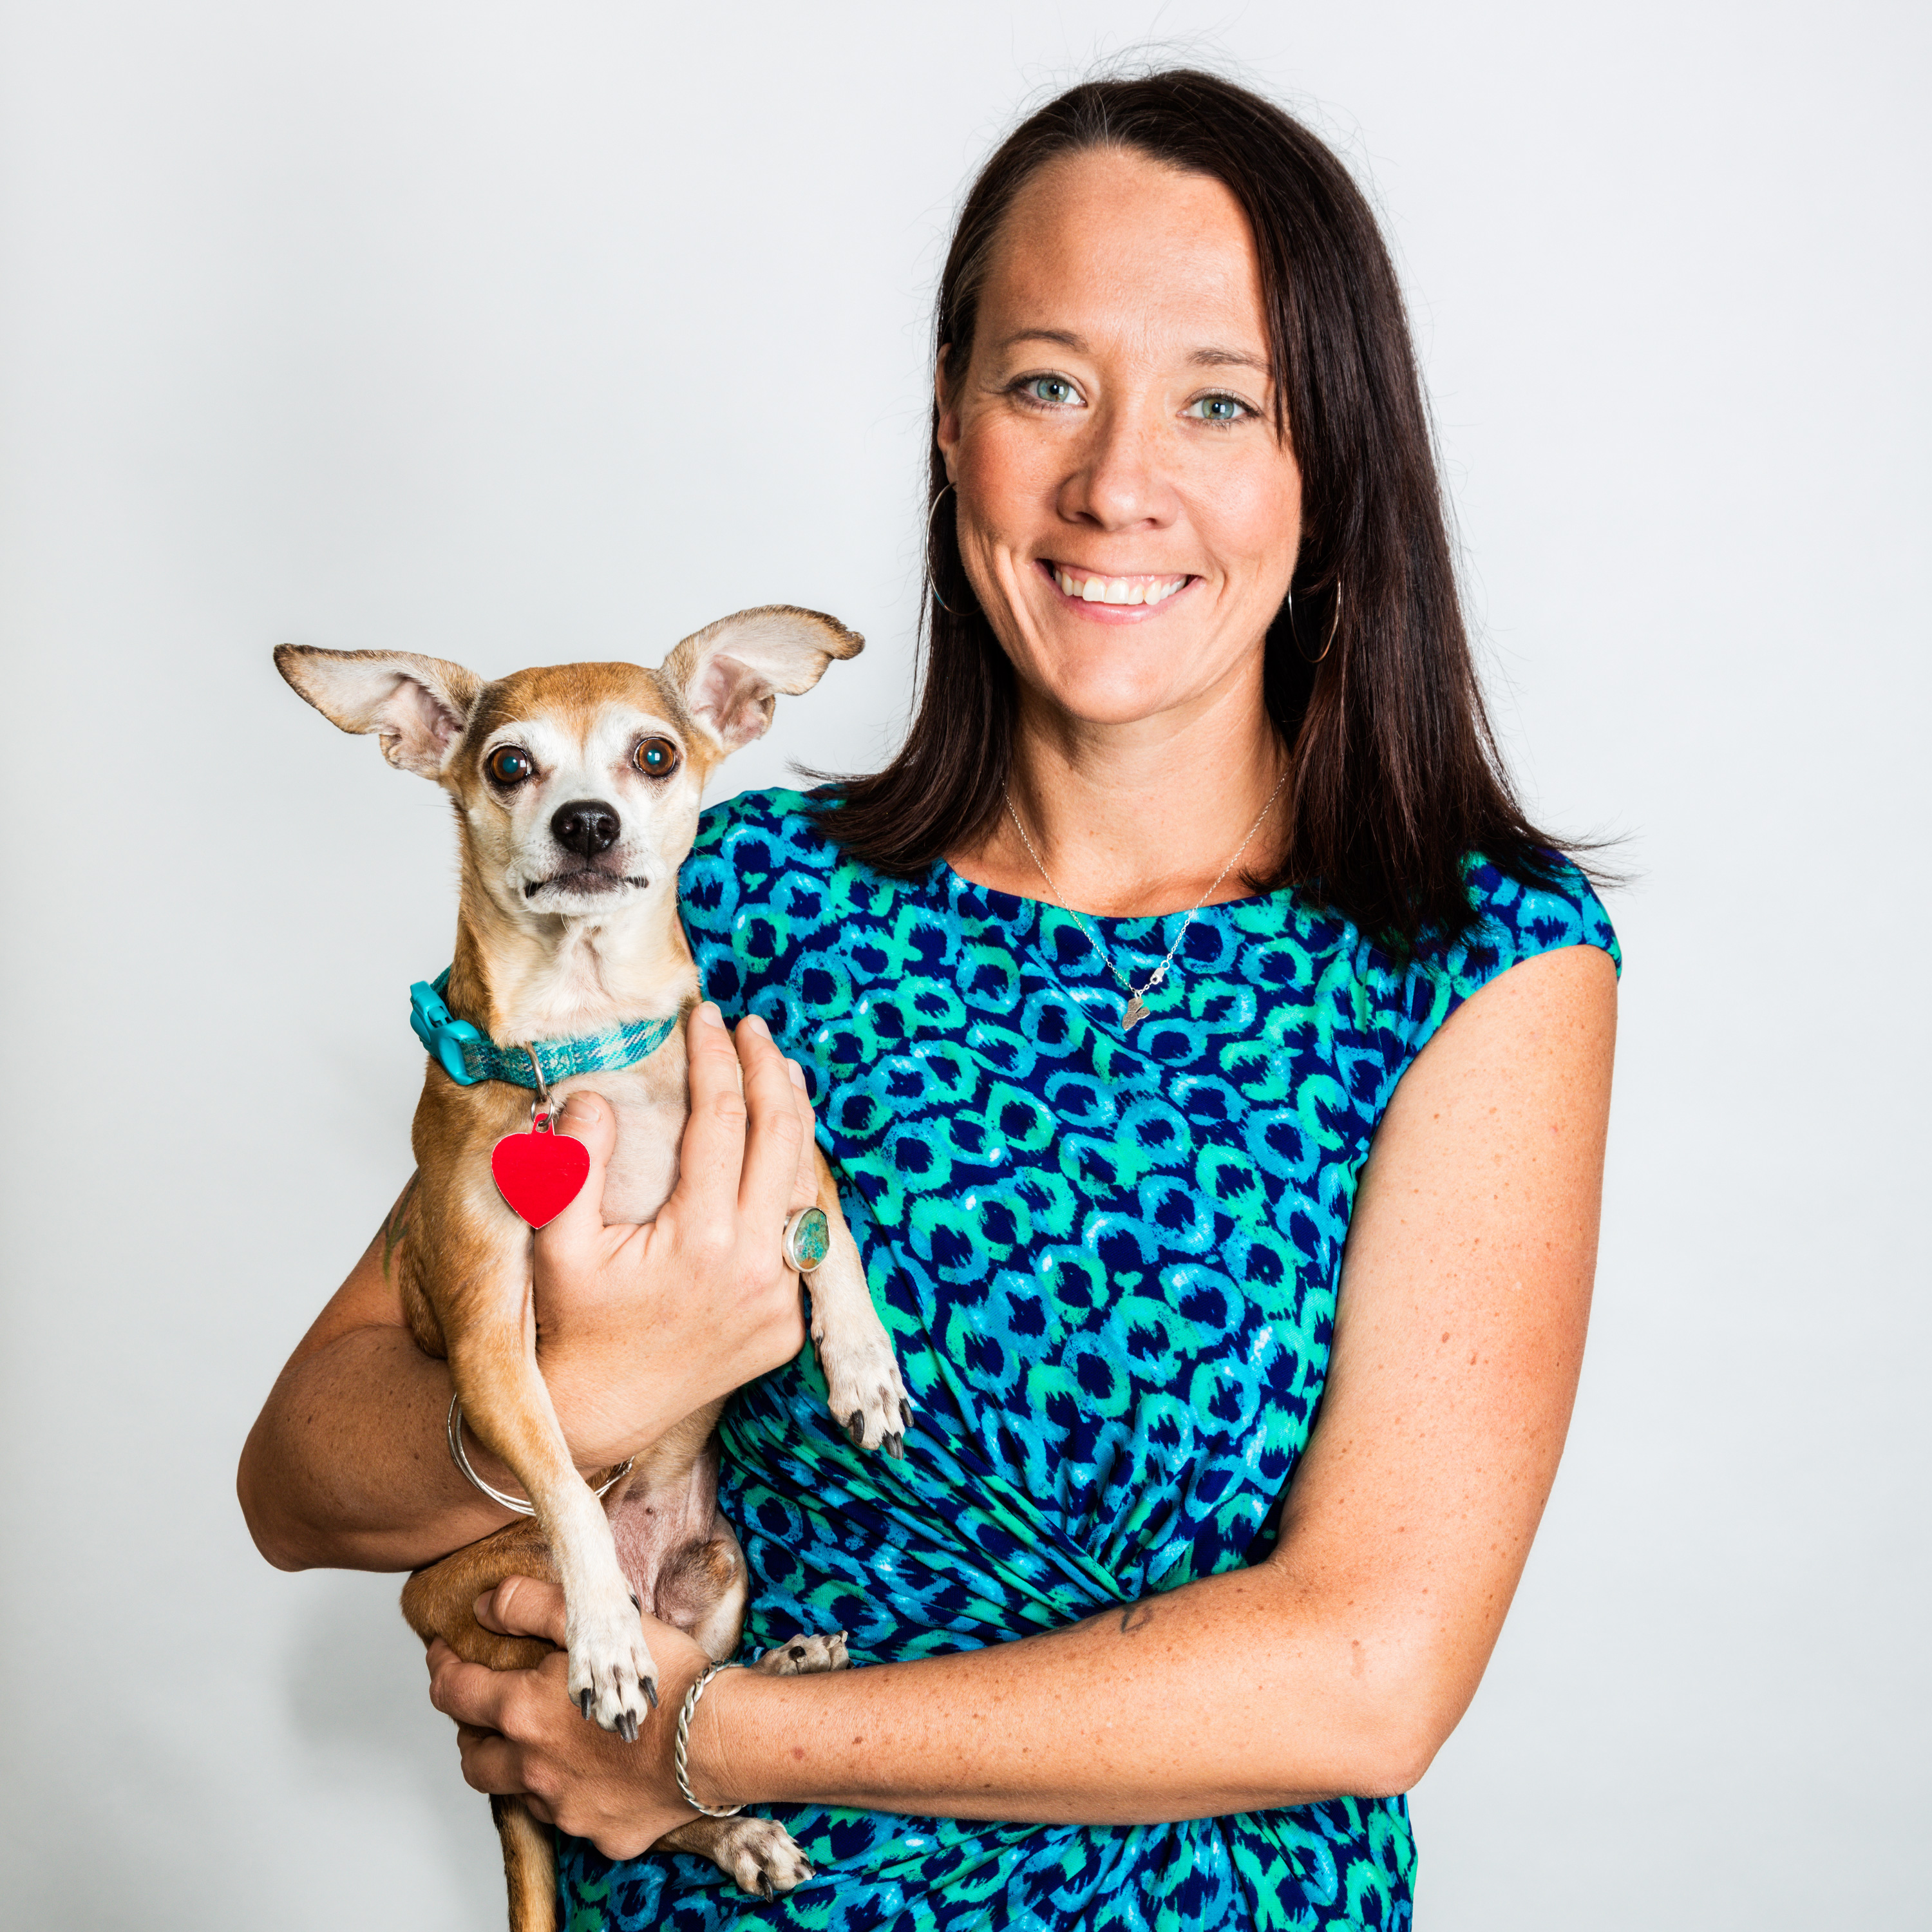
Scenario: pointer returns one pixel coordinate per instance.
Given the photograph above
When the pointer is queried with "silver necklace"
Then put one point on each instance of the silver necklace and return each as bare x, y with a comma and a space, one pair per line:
1135, 1010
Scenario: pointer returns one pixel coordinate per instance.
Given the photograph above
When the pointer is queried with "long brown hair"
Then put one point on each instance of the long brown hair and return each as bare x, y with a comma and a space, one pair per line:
1396, 774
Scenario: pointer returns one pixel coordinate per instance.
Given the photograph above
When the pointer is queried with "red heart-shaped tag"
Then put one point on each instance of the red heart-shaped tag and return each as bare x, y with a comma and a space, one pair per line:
539, 1174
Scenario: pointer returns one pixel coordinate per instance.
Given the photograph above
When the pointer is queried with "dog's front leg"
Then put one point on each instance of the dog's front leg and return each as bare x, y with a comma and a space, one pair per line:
493, 1362
863, 1390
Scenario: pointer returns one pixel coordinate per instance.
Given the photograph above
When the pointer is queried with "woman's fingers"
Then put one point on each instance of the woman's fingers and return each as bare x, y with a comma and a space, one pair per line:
742, 1151
773, 1134
805, 1190
712, 1151
491, 1764
472, 1693
523, 1606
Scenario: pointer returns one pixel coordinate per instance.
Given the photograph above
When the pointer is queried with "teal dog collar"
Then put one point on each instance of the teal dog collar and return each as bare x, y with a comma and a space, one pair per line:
467, 1057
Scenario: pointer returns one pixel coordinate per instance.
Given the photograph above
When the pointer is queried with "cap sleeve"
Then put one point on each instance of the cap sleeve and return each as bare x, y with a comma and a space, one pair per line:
1514, 922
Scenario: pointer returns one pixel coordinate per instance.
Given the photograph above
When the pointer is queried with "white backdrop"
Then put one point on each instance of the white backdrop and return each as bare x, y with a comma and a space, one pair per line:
515, 334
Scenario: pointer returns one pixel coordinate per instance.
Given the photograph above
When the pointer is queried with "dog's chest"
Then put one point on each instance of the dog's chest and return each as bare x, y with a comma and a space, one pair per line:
652, 1102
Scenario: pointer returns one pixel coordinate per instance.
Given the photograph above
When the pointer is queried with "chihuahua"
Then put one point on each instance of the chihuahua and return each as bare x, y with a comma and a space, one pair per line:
577, 789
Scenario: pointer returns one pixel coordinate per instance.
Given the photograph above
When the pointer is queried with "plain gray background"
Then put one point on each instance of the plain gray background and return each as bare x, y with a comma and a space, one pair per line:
520, 333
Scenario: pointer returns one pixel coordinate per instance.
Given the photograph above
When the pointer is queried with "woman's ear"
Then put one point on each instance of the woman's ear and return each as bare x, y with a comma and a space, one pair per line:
946, 417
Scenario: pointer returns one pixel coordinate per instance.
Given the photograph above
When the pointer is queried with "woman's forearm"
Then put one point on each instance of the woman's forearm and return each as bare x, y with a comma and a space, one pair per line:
346, 1466
1235, 1693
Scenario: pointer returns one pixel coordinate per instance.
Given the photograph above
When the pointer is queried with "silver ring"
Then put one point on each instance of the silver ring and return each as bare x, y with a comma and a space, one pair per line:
808, 1240
516, 1505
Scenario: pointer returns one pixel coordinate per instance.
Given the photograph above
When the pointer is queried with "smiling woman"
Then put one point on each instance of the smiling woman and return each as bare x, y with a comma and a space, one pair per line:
1173, 370
1214, 1067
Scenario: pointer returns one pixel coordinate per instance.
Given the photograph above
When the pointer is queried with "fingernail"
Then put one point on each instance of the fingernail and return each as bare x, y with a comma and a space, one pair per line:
707, 1011
756, 1025
580, 1105
797, 1073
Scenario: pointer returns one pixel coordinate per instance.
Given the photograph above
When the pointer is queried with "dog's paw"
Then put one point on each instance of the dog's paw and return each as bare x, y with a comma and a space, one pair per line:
761, 1855
613, 1678
866, 1397
804, 1656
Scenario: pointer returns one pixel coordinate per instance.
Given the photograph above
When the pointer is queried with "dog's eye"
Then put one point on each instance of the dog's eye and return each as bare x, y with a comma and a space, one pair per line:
509, 765
655, 758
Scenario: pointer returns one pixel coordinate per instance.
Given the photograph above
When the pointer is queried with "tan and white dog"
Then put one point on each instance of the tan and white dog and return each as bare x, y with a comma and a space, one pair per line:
576, 790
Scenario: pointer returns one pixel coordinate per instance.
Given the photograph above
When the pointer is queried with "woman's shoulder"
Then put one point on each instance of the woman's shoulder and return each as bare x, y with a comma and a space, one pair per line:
764, 832
1515, 916
763, 874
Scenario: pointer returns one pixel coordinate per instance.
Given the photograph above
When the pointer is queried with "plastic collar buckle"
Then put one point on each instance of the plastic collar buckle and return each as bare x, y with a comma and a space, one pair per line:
445, 1038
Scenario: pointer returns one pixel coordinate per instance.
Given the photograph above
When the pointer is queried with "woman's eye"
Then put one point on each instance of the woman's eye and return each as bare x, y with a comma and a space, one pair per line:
1053, 389
510, 764
1218, 409
656, 757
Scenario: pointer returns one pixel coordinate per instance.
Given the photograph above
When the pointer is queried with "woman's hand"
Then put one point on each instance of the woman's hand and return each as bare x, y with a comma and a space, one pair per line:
521, 1735
638, 1327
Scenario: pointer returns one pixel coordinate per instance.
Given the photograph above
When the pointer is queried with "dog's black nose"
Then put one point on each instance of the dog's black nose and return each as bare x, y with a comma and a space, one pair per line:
586, 826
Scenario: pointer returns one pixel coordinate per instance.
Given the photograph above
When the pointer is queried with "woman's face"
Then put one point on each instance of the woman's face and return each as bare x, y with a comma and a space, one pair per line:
1126, 513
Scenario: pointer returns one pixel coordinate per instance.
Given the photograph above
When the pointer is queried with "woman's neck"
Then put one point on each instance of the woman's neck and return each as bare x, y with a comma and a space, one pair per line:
1135, 820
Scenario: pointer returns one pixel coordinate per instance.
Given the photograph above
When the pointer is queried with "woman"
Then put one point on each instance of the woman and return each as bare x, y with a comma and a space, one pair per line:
1195, 669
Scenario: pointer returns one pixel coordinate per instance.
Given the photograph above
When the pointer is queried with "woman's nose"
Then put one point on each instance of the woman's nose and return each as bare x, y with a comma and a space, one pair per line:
1120, 482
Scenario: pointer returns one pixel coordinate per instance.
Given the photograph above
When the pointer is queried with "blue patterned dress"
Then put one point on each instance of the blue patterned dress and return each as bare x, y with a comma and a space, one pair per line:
1109, 1264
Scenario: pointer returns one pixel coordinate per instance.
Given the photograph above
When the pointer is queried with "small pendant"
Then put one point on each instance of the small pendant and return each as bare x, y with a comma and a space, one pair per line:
1136, 1012
540, 1173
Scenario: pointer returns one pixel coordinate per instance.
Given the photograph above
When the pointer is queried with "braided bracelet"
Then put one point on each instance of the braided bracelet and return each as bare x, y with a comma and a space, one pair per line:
682, 1740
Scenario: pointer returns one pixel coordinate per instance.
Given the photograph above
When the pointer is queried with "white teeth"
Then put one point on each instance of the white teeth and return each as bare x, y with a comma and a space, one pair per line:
1117, 589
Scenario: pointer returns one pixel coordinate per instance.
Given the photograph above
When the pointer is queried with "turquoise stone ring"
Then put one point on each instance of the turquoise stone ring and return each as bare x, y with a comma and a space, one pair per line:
808, 1240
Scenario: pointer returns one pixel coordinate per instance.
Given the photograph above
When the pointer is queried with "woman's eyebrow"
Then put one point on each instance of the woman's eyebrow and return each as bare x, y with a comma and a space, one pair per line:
1065, 338
1211, 357
1228, 358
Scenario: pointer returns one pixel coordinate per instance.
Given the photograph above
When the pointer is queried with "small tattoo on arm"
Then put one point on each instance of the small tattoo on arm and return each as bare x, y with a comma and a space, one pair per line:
397, 1224
1135, 1617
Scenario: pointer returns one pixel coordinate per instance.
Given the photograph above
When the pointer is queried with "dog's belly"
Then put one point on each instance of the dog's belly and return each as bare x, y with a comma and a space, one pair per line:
677, 1552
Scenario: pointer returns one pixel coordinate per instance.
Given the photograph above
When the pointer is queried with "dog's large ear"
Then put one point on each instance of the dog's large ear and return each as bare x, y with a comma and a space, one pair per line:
731, 672
419, 705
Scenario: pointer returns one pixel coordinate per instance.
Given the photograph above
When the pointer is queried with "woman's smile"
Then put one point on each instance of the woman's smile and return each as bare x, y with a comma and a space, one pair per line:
1113, 597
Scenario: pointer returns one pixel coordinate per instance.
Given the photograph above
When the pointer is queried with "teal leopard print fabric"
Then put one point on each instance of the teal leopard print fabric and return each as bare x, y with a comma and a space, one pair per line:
1109, 1263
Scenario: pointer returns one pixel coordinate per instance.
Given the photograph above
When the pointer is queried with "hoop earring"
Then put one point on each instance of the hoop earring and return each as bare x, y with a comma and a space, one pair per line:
1335, 624
932, 582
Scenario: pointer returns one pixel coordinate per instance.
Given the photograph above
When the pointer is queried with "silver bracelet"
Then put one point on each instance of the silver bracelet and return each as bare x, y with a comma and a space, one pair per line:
682, 1742
517, 1505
